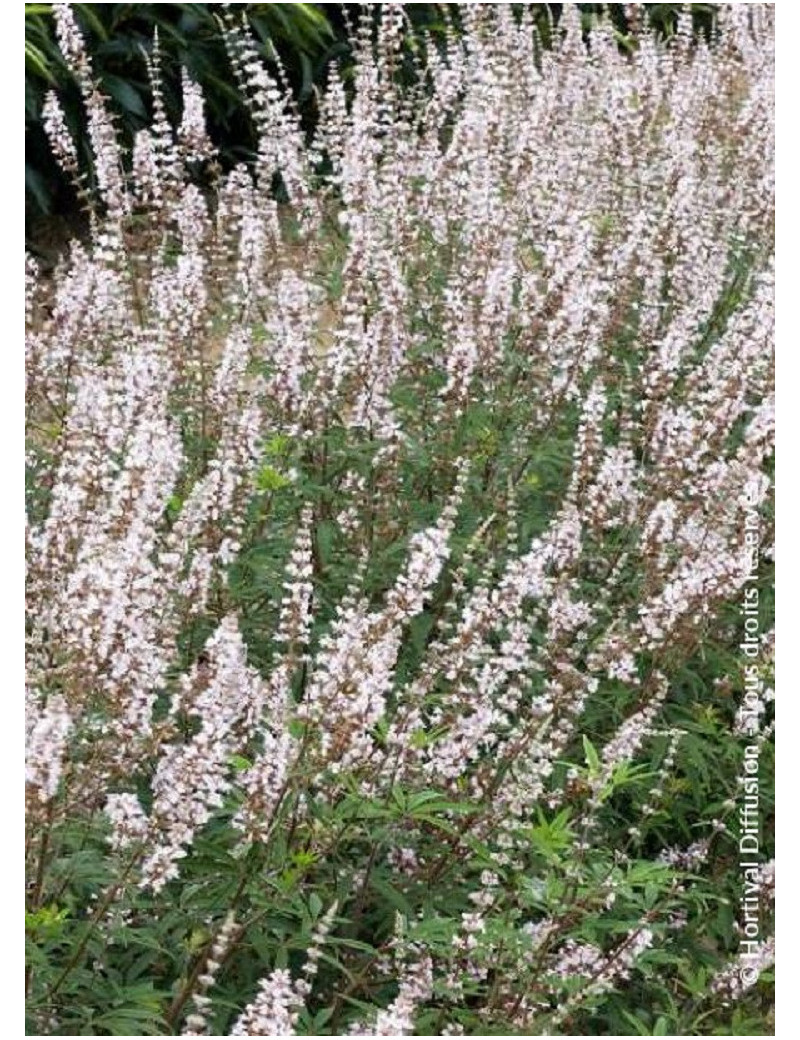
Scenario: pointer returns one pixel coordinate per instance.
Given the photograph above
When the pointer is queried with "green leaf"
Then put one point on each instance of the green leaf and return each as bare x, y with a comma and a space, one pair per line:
35, 184
277, 445
592, 758
36, 62
125, 95
88, 15
269, 479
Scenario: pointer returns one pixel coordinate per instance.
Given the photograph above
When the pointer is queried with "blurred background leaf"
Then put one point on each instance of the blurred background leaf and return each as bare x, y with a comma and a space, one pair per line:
303, 38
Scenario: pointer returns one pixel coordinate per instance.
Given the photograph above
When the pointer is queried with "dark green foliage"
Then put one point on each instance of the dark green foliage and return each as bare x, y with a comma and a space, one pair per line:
120, 35
304, 38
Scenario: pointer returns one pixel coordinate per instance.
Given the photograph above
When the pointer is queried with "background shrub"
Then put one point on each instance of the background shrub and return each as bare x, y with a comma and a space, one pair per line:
305, 39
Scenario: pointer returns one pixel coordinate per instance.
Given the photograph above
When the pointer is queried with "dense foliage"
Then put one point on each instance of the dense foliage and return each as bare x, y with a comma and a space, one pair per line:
296, 37
299, 41
399, 546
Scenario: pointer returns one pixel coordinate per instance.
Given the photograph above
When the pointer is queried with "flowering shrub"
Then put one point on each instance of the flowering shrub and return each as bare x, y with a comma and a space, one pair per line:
399, 606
